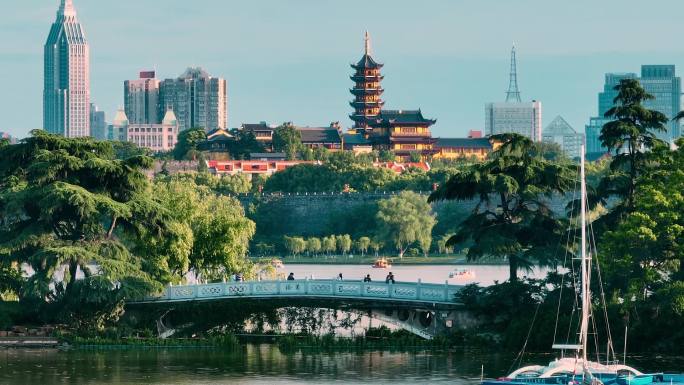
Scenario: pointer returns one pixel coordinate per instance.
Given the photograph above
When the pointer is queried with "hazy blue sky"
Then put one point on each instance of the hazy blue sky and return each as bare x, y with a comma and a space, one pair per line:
289, 60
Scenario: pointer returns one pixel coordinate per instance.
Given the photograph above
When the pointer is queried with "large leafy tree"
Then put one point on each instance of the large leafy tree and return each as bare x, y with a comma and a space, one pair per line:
214, 232
631, 134
512, 218
404, 220
648, 243
64, 206
287, 139
245, 143
188, 140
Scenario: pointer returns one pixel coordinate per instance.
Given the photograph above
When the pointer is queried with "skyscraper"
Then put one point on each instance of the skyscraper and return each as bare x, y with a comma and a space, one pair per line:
513, 115
197, 99
141, 99
66, 92
659, 81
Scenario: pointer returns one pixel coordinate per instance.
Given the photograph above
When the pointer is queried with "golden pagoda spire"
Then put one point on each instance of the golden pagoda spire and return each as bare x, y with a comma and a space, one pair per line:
367, 42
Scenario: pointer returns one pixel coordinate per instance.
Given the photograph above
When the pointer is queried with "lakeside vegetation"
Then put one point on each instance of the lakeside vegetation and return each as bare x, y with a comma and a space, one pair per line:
82, 230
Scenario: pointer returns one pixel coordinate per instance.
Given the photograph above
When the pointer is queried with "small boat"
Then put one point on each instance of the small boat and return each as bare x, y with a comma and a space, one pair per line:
382, 263
462, 274
277, 263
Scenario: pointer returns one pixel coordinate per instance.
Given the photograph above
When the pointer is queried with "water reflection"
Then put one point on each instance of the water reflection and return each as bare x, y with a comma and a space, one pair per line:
262, 364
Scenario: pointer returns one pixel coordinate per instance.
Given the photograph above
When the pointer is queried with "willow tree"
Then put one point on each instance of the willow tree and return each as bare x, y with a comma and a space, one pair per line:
405, 220
64, 203
512, 217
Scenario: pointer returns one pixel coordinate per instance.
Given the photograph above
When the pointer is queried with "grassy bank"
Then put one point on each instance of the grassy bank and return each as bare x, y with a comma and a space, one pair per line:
223, 342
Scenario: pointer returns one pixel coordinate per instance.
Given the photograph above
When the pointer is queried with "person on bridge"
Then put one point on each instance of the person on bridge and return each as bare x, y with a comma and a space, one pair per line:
367, 278
291, 277
339, 277
389, 278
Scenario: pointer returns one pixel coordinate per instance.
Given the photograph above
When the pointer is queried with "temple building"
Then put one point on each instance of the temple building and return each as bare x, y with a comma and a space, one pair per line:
406, 132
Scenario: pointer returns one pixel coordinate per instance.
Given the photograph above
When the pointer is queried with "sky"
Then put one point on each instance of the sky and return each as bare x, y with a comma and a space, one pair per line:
288, 60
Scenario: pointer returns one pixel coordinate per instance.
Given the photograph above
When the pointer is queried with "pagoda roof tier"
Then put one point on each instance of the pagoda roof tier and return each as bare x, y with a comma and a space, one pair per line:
403, 117
363, 91
360, 103
359, 118
361, 78
366, 62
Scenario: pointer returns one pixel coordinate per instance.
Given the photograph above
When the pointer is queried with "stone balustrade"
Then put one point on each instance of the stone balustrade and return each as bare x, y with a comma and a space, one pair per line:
400, 291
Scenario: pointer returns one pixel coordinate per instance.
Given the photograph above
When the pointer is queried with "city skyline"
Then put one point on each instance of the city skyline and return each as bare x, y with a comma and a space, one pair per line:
450, 79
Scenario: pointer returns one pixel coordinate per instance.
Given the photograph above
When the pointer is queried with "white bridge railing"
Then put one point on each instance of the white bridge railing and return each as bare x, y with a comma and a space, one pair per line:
400, 291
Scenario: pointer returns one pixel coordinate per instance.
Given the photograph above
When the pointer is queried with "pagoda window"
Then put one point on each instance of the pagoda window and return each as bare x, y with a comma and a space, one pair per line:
408, 147
408, 130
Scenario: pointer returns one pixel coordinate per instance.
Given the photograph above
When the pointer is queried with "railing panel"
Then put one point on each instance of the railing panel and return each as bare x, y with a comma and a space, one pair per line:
320, 288
376, 290
292, 287
265, 288
348, 288
212, 290
182, 292
238, 289
404, 291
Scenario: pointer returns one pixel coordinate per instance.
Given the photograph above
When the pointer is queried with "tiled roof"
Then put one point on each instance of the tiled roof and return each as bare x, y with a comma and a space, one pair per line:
356, 140
319, 135
367, 62
463, 143
404, 116
256, 127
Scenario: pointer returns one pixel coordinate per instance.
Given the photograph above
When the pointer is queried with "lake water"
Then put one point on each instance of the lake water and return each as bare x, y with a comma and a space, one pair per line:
484, 274
265, 364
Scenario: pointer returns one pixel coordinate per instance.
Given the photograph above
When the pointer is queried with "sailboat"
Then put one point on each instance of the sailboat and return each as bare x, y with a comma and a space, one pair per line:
578, 369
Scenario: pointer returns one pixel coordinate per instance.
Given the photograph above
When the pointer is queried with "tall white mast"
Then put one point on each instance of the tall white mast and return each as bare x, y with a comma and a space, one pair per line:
586, 295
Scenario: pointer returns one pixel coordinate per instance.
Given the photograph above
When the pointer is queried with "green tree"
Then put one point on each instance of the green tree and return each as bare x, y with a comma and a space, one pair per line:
362, 245
287, 139
313, 245
295, 245
404, 220
376, 246
219, 231
512, 218
328, 244
387, 156
344, 243
244, 144
415, 156
631, 134
66, 204
188, 140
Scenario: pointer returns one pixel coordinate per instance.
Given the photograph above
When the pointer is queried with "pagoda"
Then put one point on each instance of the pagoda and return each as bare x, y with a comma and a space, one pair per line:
367, 90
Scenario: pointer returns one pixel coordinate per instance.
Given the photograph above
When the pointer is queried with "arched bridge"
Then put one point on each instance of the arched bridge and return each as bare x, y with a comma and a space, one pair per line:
425, 309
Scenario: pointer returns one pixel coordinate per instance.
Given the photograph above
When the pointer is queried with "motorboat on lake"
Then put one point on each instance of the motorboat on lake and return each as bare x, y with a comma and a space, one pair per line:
462, 274
382, 263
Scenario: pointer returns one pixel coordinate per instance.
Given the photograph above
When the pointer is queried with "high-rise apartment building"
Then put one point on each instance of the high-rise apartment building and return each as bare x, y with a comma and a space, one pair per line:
197, 99
66, 91
659, 81
141, 99
514, 115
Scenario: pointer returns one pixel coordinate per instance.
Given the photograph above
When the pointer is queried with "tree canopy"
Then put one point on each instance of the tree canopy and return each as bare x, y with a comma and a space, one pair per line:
404, 220
512, 218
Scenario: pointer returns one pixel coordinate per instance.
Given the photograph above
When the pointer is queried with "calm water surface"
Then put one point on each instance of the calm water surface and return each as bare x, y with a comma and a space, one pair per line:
264, 364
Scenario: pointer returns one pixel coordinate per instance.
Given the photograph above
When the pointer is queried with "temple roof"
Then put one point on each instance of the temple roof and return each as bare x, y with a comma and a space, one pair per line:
403, 116
463, 143
319, 135
219, 134
262, 126
356, 140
